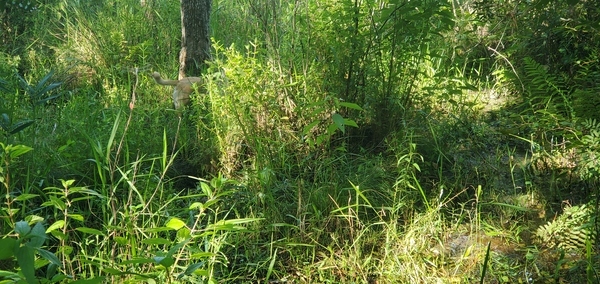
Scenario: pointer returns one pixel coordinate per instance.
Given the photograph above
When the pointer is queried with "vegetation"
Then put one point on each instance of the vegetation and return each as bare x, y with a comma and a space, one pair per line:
385, 141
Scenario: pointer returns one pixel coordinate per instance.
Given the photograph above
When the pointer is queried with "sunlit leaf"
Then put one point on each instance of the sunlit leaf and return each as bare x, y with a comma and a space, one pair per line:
77, 217
59, 235
350, 122
26, 196
55, 202
175, 223
56, 225
121, 240
206, 189
67, 183
196, 205
17, 150
231, 225
7, 274
183, 233
351, 105
157, 229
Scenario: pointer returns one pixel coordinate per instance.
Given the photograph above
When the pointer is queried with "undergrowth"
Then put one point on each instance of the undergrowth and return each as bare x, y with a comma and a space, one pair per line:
335, 142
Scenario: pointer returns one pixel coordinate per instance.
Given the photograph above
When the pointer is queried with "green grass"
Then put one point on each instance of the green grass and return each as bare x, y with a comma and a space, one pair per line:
334, 144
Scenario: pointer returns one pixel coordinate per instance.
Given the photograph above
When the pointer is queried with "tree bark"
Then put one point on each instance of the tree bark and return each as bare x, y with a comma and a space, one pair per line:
195, 36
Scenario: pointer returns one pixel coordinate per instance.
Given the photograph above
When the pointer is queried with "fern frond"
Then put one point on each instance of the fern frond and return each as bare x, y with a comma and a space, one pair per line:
571, 229
546, 91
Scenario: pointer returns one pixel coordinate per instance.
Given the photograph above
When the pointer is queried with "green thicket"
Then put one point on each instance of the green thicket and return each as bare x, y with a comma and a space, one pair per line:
385, 141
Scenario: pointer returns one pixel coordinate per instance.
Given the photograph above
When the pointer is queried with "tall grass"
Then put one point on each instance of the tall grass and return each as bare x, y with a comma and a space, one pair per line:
336, 142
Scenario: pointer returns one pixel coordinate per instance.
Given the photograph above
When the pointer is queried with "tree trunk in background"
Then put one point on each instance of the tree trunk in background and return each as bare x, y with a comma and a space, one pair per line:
195, 37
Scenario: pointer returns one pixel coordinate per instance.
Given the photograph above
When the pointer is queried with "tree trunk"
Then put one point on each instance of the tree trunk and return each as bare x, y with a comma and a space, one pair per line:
195, 37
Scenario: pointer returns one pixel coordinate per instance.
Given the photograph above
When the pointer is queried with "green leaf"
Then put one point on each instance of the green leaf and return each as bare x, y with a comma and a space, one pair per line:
49, 256
416, 166
58, 278
3, 85
43, 81
55, 202
202, 254
67, 183
121, 240
156, 241
59, 235
57, 225
331, 129
17, 150
350, 122
8, 246
87, 191
7, 274
164, 261
19, 126
25, 259
77, 217
37, 235
231, 225
51, 273
47, 99
174, 249
175, 223
90, 231
26, 196
197, 205
22, 228
202, 272
112, 271
32, 219
157, 230
65, 250
183, 233
351, 105
205, 189
192, 267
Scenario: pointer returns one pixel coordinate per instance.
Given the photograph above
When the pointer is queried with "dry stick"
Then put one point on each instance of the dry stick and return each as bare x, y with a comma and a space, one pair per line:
131, 106
511, 66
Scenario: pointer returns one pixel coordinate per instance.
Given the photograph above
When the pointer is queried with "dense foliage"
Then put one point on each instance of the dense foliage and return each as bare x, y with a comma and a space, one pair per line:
385, 141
